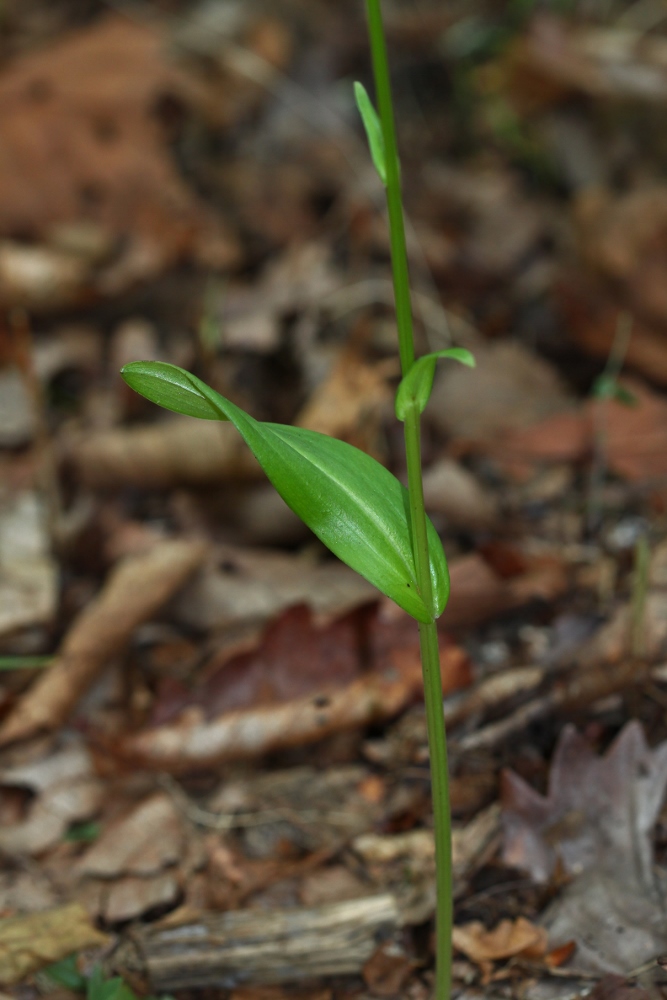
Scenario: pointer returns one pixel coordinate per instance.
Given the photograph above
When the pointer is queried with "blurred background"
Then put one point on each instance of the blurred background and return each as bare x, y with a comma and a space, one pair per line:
190, 182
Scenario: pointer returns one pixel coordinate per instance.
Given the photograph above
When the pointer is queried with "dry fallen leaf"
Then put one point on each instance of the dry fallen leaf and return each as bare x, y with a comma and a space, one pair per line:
67, 791
388, 970
612, 987
295, 657
129, 897
479, 592
510, 388
149, 839
192, 743
31, 942
596, 822
239, 586
137, 587
592, 314
296, 281
554, 60
632, 439
82, 143
623, 240
506, 939
350, 403
454, 494
175, 451
17, 412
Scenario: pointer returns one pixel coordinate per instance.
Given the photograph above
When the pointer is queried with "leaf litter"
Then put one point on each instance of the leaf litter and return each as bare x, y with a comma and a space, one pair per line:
230, 738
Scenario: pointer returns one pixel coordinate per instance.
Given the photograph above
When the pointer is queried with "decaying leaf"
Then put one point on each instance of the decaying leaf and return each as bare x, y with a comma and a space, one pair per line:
295, 657
82, 142
612, 987
453, 493
192, 743
632, 439
239, 586
596, 822
592, 316
137, 587
67, 791
479, 592
149, 839
553, 60
350, 403
388, 969
174, 452
508, 938
295, 282
509, 388
31, 942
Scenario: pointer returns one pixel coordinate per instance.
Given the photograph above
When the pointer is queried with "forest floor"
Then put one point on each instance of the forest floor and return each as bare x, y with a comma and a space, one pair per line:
214, 770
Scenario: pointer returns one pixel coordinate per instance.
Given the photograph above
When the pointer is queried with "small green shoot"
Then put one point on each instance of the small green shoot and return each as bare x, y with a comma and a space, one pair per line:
415, 389
96, 986
24, 662
605, 389
83, 833
608, 387
66, 973
100, 988
373, 129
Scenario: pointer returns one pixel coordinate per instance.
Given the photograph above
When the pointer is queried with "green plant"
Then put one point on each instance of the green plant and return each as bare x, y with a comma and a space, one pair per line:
606, 389
358, 509
96, 986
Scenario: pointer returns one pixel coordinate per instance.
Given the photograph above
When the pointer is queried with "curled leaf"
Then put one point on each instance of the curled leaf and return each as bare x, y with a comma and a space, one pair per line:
415, 388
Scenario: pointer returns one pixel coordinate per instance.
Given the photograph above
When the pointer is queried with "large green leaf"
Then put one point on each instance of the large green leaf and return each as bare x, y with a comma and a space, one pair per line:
351, 502
415, 387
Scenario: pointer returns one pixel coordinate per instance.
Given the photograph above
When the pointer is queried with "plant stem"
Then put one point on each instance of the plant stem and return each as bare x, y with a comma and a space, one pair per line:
428, 636
435, 719
437, 744
399, 256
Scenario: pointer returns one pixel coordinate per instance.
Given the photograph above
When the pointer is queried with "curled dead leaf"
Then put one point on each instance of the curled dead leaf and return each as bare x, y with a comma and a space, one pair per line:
137, 587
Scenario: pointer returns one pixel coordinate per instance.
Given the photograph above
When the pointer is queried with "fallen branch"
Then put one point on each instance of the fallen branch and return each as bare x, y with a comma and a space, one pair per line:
584, 687
254, 946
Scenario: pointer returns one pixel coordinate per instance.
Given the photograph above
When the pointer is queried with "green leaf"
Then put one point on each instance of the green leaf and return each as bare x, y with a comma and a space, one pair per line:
66, 973
355, 506
369, 117
606, 387
415, 388
24, 662
83, 833
100, 988
173, 388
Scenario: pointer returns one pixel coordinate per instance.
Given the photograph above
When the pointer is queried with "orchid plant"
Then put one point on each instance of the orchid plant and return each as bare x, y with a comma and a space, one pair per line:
354, 505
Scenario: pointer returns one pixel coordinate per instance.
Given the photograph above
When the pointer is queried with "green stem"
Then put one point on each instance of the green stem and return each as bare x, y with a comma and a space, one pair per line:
435, 719
428, 636
437, 743
399, 256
